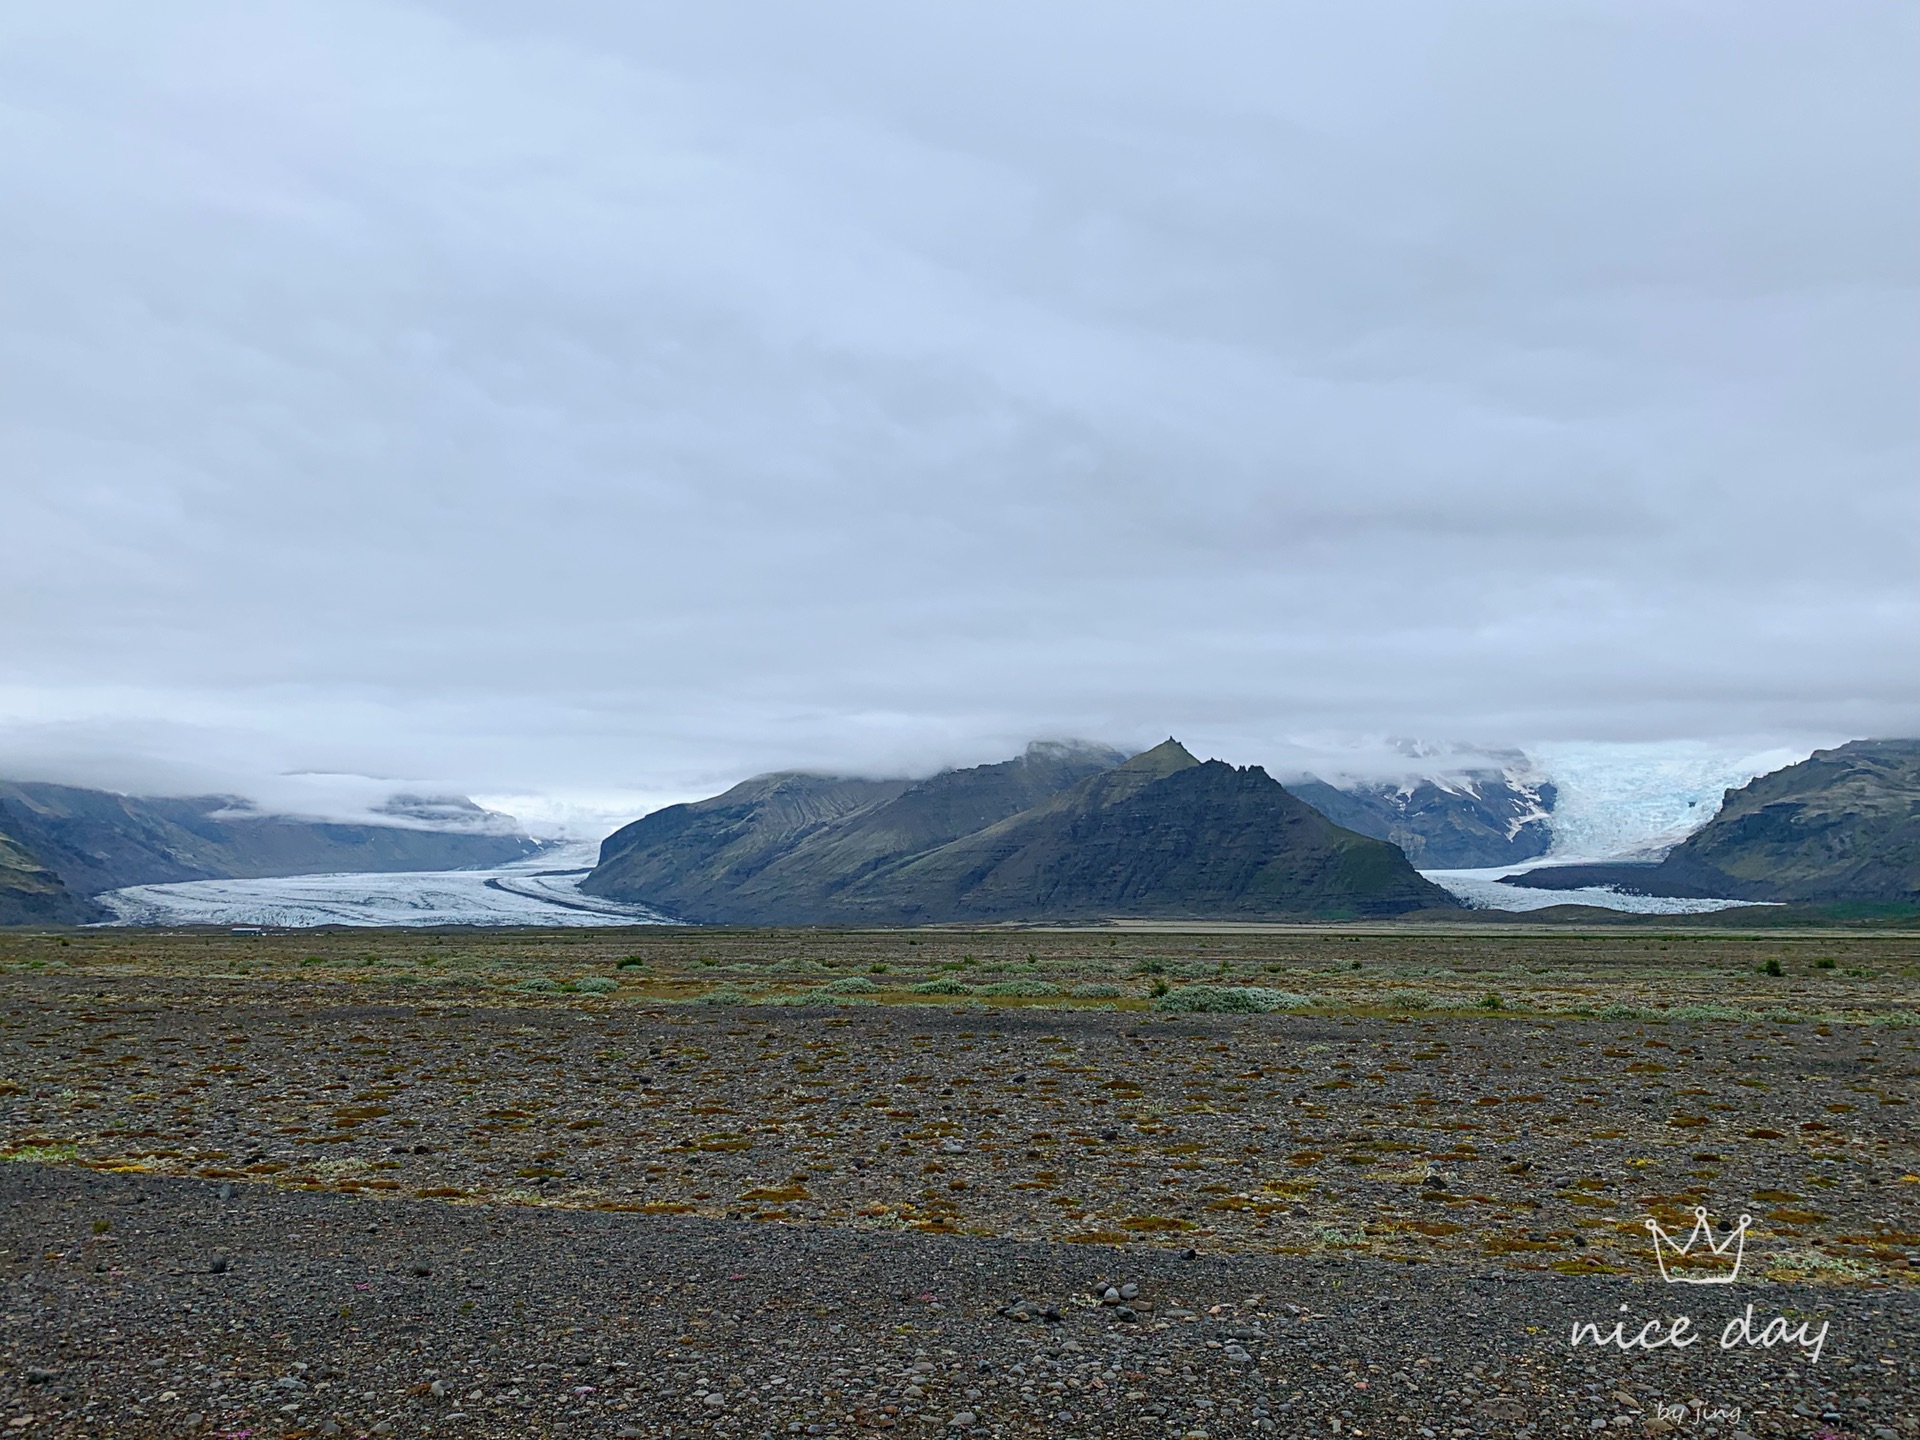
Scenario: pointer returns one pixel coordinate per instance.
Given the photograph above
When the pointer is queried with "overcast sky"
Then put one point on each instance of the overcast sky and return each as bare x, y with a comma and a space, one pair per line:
615, 399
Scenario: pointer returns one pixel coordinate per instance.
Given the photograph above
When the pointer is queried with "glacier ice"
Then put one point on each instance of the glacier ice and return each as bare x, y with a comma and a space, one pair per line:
541, 890
1482, 890
1637, 801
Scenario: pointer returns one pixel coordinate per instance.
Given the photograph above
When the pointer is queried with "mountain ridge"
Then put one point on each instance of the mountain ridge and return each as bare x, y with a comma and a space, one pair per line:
1158, 833
1461, 820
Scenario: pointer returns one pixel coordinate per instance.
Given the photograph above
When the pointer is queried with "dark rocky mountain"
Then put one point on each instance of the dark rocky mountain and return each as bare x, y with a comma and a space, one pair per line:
1159, 835
94, 840
784, 845
31, 894
1842, 825
693, 857
1469, 821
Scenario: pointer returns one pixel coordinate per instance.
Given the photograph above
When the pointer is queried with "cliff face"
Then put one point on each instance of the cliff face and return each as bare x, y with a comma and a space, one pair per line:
1159, 835
1843, 824
94, 841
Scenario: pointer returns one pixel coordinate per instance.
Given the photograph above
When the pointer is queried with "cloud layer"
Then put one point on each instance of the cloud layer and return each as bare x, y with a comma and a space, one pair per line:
596, 399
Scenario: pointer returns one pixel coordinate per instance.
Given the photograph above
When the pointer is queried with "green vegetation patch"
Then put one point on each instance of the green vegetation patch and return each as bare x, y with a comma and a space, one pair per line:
1019, 989
945, 985
1231, 1000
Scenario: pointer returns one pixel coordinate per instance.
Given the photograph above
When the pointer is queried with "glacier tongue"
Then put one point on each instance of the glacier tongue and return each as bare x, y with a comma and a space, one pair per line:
1482, 890
541, 890
1637, 801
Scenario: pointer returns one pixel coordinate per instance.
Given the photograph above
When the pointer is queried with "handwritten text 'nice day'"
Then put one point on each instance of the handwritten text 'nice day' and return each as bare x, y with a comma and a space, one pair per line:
1678, 1334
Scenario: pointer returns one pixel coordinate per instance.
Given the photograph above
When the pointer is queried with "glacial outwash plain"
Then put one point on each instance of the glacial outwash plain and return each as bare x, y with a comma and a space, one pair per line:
1118, 1180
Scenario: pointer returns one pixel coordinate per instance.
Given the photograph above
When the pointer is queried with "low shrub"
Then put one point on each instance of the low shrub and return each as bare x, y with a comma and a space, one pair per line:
945, 985
852, 985
538, 985
1025, 989
596, 984
1231, 999
1100, 991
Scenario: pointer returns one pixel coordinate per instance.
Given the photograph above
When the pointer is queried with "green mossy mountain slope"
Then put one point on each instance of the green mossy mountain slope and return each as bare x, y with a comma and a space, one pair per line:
31, 894
1160, 835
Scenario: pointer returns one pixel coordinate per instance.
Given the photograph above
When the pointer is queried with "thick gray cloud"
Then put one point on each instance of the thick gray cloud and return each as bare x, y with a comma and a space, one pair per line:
611, 399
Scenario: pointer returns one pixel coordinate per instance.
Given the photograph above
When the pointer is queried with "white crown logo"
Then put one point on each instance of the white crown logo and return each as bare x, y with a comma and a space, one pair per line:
1713, 1253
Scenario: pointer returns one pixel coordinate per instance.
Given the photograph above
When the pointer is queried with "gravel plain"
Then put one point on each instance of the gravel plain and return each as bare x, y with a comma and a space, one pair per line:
252, 1194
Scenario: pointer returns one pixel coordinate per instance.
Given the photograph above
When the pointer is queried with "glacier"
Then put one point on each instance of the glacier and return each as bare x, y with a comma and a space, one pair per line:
1482, 890
1625, 801
1616, 801
542, 889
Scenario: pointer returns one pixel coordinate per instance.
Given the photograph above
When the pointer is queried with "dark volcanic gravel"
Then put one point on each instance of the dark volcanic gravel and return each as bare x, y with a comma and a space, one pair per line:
1534, 1143
408, 1185
148, 1305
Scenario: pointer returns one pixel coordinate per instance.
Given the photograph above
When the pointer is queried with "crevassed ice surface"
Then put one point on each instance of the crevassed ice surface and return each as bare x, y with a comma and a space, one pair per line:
1482, 890
1633, 801
543, 889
